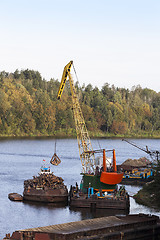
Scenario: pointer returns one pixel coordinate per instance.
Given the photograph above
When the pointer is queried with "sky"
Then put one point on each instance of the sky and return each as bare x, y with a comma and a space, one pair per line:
110, 41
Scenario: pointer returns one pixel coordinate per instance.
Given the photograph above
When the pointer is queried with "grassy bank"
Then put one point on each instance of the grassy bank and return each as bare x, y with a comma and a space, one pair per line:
149, 195
71, 133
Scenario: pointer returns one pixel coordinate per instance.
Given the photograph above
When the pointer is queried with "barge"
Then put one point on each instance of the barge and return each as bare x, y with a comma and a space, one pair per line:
46, 188
136, 171
100, 190
46, 195
133, 179
131, 227
119, 199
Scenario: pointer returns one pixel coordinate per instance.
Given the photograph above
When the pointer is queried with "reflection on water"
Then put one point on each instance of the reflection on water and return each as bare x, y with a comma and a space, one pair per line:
137, 208
21, 159
38, 205
87, 213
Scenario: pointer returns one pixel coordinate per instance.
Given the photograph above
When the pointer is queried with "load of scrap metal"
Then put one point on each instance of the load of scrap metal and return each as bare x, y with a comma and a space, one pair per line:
45, 181
55, 160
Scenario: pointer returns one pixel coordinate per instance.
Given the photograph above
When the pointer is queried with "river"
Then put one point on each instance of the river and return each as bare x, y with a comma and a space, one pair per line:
21, 159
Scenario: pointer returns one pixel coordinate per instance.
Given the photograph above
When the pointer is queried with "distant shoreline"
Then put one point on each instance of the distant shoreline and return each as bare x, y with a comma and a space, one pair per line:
60, 135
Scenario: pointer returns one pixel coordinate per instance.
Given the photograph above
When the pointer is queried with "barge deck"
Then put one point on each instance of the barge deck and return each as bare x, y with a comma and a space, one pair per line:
131, 227
119, 199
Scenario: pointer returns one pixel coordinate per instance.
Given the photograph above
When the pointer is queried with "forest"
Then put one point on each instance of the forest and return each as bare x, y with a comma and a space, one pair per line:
29, 107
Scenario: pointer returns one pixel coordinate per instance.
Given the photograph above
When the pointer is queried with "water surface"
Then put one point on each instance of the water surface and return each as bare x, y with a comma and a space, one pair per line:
21, 159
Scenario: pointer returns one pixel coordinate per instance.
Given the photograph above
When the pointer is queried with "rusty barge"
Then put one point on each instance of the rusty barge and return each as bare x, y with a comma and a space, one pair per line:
45, 188
100, 190
95, 202
131, 227
119, 199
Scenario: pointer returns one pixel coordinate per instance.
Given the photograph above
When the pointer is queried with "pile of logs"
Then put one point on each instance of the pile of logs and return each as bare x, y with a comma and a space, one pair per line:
45, 181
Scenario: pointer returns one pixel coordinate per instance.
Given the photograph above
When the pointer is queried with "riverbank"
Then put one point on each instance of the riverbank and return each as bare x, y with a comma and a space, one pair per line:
149, 195
72, 134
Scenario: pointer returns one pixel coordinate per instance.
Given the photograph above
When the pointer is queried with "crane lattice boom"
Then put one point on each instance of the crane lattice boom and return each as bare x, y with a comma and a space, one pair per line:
153, 154
85, 148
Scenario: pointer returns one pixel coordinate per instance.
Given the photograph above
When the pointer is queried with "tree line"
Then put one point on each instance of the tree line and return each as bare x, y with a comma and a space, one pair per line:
29, 107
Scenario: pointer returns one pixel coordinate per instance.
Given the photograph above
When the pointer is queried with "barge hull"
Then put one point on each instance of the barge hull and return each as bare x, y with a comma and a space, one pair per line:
100, 203
136, 181
50, 195
131, 227
48, 199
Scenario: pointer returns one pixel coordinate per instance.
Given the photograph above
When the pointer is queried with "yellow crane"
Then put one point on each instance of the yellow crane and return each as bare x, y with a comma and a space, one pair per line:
91, 177
85, 148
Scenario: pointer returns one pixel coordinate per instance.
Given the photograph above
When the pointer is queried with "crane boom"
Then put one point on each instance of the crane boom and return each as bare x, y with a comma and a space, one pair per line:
133, 144
151, 153
85, 148
66, 70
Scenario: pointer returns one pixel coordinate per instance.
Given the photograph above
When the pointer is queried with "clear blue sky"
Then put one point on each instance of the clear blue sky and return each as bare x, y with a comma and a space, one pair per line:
113, 41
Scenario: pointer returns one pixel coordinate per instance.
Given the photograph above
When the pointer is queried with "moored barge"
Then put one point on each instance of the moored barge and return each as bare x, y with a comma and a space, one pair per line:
46, 188
47, 195
137, 171
100, 203
131, 227
119, 199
